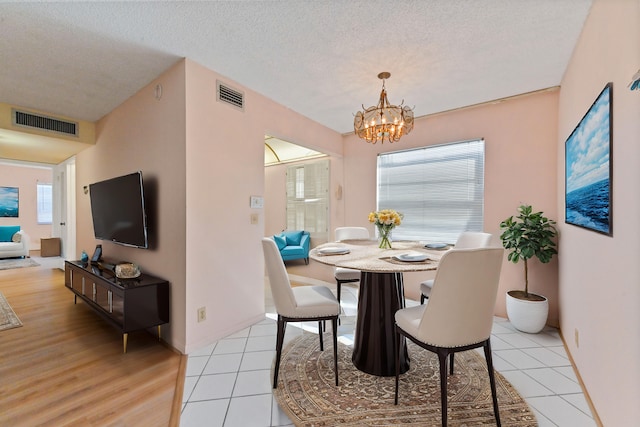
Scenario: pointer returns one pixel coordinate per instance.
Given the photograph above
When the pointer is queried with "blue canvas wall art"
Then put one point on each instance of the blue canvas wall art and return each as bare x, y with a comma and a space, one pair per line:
588, 168
9, 202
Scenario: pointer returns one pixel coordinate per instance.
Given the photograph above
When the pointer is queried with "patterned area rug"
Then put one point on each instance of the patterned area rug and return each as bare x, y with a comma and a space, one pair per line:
8, 318
6, 264
307, 393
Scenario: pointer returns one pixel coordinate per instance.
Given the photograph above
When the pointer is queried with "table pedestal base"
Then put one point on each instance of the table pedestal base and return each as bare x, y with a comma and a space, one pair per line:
380, 296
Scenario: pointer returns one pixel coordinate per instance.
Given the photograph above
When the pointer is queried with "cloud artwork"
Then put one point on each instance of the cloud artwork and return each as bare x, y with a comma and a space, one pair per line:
588, 169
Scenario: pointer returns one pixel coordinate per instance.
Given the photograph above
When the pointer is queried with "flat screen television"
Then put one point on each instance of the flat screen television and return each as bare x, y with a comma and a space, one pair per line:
118, 210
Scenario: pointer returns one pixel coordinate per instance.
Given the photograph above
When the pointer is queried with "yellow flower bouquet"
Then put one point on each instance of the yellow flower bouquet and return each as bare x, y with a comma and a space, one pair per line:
385, 220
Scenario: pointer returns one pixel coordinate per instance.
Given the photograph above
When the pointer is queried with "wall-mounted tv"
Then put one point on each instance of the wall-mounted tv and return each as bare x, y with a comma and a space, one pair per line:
118, 210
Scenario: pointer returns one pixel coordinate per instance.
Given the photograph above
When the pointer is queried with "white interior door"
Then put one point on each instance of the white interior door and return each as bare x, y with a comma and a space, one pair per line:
64, 207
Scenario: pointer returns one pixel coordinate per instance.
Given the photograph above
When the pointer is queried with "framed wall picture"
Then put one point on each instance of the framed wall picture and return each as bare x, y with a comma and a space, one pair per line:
9, 198
588, 168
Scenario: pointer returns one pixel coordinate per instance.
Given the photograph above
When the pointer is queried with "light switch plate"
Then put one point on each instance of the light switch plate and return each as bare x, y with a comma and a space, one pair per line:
256, 202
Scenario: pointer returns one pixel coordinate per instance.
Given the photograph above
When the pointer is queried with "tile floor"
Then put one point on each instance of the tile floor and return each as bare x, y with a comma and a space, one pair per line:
228, 383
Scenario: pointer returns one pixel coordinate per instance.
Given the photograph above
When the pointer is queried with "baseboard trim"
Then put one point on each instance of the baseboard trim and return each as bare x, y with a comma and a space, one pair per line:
585, 392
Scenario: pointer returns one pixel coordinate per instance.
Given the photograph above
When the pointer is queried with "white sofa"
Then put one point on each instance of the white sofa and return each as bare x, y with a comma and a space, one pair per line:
17, 247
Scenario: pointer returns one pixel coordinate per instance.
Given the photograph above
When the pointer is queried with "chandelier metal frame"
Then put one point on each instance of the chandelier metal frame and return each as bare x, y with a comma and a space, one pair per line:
383, 121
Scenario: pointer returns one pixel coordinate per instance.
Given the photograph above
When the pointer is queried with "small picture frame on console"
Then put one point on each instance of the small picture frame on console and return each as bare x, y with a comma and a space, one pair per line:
97, 255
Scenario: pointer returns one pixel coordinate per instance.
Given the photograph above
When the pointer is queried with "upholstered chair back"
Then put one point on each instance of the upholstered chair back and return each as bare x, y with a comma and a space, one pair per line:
283, 297
473, 239
351, 233
461, 305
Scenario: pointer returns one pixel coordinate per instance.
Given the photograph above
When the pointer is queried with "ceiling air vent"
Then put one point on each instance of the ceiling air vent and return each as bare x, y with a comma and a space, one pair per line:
230, 96
35, 121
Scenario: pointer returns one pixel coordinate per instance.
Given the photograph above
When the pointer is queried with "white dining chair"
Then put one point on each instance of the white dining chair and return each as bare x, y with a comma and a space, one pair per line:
466, 240
348, 275
458, 316
299, 304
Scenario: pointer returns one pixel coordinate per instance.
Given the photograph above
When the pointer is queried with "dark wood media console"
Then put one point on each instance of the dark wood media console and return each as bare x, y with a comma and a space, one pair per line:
128, 304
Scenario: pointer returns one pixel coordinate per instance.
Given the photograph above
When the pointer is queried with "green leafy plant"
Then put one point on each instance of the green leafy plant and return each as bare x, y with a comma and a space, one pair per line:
527, 235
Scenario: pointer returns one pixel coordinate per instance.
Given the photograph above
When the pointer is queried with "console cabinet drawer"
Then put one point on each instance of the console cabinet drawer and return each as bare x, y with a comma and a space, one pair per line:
129, 305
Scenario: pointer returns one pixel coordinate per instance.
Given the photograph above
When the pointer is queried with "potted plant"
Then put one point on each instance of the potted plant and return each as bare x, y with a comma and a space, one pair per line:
527, 235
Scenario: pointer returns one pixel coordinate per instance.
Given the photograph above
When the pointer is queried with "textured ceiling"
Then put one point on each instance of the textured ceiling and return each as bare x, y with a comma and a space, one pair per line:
319, 58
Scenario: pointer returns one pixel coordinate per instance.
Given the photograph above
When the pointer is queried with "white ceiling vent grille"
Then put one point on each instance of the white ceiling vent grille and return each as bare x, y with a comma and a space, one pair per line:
35, 121
230, 96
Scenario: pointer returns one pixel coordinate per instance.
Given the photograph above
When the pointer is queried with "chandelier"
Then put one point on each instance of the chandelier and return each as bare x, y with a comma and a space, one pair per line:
384, 121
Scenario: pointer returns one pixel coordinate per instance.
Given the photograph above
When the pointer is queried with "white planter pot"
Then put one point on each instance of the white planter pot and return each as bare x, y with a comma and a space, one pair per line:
527, 316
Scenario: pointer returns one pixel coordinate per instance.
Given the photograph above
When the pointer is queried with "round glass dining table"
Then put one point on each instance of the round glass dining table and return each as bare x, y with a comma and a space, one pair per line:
381, 295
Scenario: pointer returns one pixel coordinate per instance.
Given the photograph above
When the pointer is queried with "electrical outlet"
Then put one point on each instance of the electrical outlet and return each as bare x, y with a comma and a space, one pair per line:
254, 218
202, 314
577, 338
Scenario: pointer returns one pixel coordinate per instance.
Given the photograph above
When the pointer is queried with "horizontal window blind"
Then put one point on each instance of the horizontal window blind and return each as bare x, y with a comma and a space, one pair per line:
439, 189
44, 203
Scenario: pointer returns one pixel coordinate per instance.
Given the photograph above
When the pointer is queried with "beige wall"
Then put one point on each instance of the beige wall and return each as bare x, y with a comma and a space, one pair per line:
520, 167
275, 194
600, 275
225, 167
224, 269
145, 134
203, 159
26, 178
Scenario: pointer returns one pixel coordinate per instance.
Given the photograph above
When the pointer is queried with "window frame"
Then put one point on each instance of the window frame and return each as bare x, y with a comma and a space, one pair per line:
451, 207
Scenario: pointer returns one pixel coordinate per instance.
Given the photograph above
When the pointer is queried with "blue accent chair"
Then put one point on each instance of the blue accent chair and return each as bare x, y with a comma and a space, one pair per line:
293, 245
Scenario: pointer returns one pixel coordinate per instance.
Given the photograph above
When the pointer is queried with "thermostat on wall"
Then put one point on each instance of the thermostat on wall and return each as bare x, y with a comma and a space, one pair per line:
257, 202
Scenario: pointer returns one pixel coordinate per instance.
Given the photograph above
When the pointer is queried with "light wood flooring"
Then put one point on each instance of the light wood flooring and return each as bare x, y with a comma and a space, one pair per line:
65, 365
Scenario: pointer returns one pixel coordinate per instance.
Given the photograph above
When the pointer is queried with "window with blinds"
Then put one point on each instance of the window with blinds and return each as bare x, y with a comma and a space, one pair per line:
439, 189
308, 198
44, 203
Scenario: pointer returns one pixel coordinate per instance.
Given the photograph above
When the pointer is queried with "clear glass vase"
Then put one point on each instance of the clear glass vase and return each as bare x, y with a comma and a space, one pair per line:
384, 237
